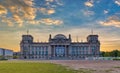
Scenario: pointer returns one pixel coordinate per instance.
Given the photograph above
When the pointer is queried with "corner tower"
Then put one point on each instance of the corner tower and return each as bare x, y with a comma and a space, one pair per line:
93, 39
25, 45
94, 44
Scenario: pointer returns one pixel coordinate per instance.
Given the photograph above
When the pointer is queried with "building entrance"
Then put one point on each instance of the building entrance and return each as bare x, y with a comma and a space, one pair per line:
59, 51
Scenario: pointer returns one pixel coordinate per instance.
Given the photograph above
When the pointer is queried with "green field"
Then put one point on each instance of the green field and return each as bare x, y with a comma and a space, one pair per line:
35, 67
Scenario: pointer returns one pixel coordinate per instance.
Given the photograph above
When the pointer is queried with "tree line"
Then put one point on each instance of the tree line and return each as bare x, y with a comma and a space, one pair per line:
114, 53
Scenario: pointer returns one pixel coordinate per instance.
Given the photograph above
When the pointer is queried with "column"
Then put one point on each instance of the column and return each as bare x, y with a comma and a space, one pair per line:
54, 50
65, 51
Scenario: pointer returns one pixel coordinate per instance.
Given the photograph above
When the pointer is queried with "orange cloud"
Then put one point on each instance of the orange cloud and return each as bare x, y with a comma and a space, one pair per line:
24, 11
46, 21
2, 10
112, 21
18, 19
51, 11
47, 11
7, 20
49, 21
20, 10
89, 3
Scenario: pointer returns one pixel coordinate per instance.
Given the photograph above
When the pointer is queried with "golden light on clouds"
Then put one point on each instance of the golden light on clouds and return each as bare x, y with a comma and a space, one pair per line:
7, 20
24, 11
51, 11
20, 9
18, 19
2, 10
49, 21
46, 21
89, 3
29, 2
115, 23
47, 11
112, 21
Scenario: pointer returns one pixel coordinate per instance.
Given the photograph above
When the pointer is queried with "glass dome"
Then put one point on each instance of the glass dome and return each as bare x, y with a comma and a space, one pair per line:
60, 36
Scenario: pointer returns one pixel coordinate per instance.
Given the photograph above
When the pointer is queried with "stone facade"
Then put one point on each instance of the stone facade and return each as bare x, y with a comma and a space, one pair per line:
59, 47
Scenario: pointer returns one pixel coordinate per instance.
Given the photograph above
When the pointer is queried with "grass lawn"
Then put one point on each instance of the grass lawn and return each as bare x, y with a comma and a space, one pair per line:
35, 67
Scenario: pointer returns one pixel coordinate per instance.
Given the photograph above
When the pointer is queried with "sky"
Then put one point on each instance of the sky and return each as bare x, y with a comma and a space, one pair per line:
75, 17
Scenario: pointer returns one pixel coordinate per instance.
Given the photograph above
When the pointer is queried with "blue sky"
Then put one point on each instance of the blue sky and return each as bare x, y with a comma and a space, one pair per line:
75, 17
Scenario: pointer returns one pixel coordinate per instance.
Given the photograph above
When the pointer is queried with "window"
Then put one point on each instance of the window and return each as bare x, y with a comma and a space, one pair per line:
39, 52
33, 52
46, 53
46, 48
36, 52
39, 48
42, 52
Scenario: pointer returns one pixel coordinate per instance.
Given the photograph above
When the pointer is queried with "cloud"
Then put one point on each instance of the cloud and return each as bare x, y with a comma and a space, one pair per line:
7, 20
51, 21
59, 2
49, 7
18, 19
20, 11
89, 3
117, 2
88, 12
112, 21
2, 10
49, 0
47, 11
51, 11
106, 11
47, 21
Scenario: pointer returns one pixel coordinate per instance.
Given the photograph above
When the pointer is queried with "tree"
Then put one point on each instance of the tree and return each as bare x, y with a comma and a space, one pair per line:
114, 53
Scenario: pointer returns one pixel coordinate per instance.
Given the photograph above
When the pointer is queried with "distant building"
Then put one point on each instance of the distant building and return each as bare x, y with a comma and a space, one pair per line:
59, 47
6, 54
16, 55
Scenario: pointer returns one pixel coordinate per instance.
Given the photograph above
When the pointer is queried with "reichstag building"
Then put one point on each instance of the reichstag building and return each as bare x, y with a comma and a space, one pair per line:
59, 47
